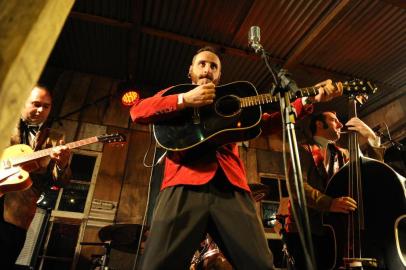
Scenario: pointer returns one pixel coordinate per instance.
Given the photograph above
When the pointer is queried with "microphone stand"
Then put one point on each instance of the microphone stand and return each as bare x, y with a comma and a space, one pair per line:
285, 85
394, 143
287, 257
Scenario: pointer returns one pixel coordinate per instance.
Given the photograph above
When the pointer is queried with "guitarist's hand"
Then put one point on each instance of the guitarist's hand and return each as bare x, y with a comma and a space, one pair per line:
61, 154
199, 96
327, 91
343, 205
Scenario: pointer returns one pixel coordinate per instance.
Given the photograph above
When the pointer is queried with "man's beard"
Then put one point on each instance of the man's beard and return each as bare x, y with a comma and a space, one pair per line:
203, 79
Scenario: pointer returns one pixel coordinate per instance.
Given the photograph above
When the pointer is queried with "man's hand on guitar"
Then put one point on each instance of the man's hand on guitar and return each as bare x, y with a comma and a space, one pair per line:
61, 154
327, 91
200, 96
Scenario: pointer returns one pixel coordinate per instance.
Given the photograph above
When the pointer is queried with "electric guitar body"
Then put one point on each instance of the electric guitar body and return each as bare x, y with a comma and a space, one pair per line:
17, 161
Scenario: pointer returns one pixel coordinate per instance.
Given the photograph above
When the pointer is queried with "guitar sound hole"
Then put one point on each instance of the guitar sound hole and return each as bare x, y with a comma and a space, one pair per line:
228, 106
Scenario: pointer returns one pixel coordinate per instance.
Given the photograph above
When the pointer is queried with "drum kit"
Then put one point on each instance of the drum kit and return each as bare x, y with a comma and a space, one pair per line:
122, 237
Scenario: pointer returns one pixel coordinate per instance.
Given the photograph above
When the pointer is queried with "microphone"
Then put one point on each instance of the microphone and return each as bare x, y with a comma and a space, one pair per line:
254, 38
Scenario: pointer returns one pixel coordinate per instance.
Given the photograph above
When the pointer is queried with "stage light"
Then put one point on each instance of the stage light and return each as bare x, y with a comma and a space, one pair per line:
129, 97
128, 92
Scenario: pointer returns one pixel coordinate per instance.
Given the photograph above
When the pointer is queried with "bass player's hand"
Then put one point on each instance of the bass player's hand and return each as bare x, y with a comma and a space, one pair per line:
343, 205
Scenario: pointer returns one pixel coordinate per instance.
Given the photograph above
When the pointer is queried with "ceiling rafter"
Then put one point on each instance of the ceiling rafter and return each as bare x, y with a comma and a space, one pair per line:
397, 3
245, 21
135, 35
199, 43
99, 19
294, 58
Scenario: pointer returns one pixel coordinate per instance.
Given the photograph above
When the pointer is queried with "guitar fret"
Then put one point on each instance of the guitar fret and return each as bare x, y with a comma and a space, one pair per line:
46, 152
268, 98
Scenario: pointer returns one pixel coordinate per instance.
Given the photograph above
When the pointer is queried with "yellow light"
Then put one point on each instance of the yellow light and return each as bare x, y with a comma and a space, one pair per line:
129, 98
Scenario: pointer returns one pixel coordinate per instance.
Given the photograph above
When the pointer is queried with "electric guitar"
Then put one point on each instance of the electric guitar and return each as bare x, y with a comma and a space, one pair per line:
233, 116
18, 160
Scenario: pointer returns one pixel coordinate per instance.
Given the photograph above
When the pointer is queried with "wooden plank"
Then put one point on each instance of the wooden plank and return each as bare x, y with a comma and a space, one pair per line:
87, 130
90, 236
298, 52
261, 142
98, 99
29, 30
270, 162
252, 168
133, 199
140, 127
117, 114
112, 169
68, 127
60, 91
76, 96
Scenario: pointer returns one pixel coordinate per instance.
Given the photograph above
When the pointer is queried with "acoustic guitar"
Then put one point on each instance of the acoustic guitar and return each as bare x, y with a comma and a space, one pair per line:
18, 160
234, 116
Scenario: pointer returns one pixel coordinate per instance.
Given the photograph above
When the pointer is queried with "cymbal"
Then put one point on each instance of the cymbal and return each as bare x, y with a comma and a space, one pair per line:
124, 237
259, 191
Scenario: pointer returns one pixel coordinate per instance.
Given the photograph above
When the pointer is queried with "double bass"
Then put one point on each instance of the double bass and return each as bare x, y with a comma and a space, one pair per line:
374, 235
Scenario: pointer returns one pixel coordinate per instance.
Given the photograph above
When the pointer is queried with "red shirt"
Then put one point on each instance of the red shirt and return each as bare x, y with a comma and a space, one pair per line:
201, 171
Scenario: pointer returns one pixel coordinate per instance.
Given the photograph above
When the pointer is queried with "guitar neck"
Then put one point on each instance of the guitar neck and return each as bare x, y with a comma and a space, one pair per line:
46, 152
268, 98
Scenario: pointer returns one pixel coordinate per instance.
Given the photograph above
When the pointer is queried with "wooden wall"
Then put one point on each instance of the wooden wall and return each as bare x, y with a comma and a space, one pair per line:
86, 105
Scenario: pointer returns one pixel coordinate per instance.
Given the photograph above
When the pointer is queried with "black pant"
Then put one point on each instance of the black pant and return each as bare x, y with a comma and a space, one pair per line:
12, 240
183, 215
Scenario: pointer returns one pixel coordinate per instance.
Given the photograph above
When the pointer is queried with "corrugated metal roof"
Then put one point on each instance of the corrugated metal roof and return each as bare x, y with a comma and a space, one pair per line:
318, 38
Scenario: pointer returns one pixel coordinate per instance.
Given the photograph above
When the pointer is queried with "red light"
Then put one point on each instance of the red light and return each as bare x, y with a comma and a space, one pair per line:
129, 98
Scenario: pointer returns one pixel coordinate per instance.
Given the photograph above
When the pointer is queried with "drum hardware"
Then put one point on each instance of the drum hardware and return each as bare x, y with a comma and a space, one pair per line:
100, 261
290, 261
123, 237
209, 257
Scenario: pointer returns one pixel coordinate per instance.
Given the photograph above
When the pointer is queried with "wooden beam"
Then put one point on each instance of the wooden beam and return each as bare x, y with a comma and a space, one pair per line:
397, 3
134, 41
100, 20
29, 30
199, 43
186, 40
299, 51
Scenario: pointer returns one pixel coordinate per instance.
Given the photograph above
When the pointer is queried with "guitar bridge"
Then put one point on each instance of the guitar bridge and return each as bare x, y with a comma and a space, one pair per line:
7, 164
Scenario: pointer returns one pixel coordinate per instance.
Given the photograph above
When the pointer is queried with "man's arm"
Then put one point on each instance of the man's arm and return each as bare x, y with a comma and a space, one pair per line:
60, 156
373, 149
159, 107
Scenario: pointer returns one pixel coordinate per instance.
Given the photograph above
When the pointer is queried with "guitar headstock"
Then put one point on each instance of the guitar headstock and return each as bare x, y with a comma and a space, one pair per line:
359, 89
112, 138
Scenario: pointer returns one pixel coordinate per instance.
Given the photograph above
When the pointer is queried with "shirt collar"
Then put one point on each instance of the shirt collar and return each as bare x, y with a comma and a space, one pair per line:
321, 141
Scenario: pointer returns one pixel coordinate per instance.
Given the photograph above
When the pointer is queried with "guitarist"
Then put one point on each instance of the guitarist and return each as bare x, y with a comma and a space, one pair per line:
18, 208
207, 192
320, 159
